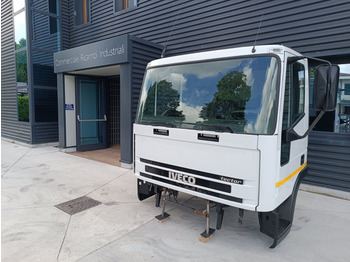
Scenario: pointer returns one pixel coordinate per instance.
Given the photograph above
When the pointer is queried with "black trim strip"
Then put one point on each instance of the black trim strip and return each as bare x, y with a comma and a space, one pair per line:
199, 182
205, 192
235, 181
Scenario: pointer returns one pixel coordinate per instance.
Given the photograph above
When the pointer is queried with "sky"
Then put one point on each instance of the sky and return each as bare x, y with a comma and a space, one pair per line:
345, 68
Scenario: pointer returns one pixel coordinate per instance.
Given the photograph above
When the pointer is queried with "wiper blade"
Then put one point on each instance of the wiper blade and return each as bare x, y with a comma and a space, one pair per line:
169, 124
215, 126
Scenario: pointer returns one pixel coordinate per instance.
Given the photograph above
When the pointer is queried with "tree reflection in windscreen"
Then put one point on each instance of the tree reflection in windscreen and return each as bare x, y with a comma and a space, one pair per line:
162, 100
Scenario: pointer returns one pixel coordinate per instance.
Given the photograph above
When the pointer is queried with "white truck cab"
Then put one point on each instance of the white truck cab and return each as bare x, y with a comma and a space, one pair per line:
230, 126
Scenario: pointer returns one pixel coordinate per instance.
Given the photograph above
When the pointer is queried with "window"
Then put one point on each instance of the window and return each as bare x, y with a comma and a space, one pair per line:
20, 36
18, 5
21, 68
43, 72
53, 7
294, 101
23, 105
53, 25
347, 89
46, 108
53, 21
82, 12
20, 30
124, 4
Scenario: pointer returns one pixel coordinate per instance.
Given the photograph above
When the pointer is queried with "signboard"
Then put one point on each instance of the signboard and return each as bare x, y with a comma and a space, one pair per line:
103, 53
69, 107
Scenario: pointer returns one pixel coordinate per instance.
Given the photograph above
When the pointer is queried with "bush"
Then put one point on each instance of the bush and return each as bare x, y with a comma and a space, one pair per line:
23, 108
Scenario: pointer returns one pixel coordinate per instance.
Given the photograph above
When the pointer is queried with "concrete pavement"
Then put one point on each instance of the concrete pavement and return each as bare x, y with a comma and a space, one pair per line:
34, 180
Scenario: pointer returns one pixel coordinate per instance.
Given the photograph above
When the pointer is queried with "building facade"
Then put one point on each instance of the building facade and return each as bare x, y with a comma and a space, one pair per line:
76, 77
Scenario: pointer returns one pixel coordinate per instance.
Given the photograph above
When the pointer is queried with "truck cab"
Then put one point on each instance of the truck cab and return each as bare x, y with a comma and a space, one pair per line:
230, 126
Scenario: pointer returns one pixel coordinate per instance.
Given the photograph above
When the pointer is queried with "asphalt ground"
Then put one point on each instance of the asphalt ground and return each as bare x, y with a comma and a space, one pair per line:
121, 228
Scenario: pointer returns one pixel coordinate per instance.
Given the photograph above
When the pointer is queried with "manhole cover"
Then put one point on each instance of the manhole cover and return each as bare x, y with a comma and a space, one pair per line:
77, 205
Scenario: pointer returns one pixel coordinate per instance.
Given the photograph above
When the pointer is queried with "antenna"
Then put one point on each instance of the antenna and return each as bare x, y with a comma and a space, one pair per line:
257, 34
170, 34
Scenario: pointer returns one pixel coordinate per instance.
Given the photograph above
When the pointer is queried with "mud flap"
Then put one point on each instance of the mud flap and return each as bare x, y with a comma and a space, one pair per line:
146, 190
277, 223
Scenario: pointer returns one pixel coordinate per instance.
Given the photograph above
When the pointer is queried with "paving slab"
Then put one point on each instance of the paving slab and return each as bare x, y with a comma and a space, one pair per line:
10, 154
46, 177
33, 234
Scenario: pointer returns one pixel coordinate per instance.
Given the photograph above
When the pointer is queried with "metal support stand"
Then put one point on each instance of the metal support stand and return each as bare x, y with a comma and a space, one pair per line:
220, 216
208, 233
164, 216
241, 214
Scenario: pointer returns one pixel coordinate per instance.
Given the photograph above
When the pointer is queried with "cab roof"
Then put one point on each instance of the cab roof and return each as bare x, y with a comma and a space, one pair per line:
224, 53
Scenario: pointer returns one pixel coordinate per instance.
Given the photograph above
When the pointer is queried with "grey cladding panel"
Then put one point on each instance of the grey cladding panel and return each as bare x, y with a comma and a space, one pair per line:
46, 133
142, 54
329, 160
311, 27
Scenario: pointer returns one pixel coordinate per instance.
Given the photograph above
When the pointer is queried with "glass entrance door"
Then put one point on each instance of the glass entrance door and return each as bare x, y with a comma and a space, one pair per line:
91, 115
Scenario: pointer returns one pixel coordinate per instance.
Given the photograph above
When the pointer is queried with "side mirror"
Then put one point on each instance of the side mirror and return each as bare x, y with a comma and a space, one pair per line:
326, 87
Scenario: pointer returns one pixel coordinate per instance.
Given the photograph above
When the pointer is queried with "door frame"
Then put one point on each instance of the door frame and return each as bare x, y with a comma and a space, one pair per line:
101, 83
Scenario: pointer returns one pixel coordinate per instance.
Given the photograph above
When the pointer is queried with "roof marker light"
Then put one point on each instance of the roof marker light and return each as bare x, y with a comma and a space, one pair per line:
276, 50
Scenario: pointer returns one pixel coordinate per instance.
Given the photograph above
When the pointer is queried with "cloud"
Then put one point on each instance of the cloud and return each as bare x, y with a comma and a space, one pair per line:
345, 68
210, 69
268, 98
191, 112
178, 80
247, 70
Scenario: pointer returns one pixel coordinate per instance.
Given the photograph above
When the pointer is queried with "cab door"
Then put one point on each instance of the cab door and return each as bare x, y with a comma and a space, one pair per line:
293, 154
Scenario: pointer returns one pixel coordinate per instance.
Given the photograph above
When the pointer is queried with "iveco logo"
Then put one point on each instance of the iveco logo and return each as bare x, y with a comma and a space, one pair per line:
182, 178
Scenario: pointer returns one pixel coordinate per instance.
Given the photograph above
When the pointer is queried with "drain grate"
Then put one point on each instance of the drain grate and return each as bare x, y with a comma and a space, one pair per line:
78, 205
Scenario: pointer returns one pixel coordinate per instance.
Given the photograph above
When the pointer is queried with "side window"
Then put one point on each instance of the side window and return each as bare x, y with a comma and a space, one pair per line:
124, 4
294, 101
81, 12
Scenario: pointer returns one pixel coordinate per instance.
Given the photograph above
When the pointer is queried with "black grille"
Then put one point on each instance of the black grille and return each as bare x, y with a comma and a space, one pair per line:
199, 182
206, 192
191, 171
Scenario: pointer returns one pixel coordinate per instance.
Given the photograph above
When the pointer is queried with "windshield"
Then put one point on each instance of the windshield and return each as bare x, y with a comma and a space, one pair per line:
236, 95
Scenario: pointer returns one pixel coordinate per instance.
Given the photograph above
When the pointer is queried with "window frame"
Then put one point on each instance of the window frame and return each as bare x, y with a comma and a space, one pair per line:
292, 118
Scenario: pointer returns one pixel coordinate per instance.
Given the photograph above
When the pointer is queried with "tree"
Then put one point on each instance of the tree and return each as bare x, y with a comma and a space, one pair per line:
167, 100
21, 43
230, 100
21, 67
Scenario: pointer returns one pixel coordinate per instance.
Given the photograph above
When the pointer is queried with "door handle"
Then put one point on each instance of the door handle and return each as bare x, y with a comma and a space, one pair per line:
92, 120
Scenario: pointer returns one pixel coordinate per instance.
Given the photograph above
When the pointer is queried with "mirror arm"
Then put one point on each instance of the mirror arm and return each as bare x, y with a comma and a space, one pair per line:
313, 124
290, 135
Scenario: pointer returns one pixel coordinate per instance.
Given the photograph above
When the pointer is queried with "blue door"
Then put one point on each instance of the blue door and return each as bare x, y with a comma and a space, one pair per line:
91, 115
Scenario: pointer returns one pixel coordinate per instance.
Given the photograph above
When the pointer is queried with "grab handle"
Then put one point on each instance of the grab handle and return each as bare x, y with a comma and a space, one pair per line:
161, 132
208, 137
